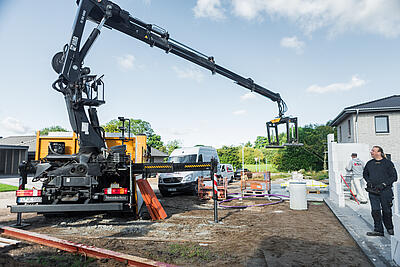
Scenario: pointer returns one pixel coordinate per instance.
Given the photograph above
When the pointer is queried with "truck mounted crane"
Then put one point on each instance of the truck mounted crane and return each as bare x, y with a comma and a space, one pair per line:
80, 182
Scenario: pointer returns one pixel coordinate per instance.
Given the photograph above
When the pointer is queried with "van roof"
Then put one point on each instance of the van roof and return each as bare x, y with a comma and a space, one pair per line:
190, 150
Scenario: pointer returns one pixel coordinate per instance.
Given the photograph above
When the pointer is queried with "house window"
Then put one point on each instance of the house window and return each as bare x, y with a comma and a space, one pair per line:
381, 124
349, 126
340, 134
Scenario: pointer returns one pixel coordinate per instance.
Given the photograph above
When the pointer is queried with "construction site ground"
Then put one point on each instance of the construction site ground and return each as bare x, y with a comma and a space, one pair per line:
271, 235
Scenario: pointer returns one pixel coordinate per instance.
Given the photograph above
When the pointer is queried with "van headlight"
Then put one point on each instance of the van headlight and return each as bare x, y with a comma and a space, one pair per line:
187, 178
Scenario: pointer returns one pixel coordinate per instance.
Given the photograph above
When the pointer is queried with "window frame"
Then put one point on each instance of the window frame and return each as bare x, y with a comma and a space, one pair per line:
349, 126
387, 124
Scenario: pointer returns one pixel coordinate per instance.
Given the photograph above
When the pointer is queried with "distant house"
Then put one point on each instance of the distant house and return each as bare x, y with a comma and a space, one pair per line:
157, 155
374, 123
22, 140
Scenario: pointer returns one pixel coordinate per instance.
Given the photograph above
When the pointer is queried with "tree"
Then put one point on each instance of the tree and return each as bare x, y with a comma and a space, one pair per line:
310, 155
155, 142
261, 141
137, 127
250, 154
45, 131
230, 155
172, 145
248, 144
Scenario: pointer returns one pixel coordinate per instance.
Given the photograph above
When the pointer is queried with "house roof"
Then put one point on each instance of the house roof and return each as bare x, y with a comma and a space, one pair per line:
391, 103
23, 140
157, 153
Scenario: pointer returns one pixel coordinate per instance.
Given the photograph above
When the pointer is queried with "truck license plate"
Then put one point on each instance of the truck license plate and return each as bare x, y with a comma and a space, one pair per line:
29, 200
171, 189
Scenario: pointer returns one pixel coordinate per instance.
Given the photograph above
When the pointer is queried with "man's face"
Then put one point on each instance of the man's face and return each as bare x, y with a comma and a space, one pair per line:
374, 153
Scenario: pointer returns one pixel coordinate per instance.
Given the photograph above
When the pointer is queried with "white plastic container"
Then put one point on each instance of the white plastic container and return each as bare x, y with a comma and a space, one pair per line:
298, 195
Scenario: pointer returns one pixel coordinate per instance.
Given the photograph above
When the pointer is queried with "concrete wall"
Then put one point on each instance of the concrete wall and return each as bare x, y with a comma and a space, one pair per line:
363, 131
343, 134
396, 219
339, 154
390, 142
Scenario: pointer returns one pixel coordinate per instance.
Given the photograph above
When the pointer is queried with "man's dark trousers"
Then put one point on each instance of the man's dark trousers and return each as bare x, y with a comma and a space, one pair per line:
381, 206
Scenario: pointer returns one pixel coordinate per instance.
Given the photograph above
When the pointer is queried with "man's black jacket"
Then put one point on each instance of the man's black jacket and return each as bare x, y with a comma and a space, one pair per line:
381, 171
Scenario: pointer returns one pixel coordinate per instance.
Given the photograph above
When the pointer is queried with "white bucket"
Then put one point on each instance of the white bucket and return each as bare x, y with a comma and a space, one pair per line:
298, 195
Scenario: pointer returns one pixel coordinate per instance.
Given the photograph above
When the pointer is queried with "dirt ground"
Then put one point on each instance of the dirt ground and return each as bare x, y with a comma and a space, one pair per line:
258, 236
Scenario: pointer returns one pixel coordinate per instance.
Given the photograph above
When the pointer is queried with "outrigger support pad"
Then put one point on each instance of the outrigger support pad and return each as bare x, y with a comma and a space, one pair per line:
292, 132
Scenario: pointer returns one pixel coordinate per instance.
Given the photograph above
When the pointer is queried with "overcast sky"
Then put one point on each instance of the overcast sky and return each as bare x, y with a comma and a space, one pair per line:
320, 55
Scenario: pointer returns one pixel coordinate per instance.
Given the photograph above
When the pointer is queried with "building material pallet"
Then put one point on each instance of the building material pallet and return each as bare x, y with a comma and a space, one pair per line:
314, 190
205, 189
256, 187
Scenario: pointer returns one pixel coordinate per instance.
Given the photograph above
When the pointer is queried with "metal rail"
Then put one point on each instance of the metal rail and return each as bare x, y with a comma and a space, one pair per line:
69, 246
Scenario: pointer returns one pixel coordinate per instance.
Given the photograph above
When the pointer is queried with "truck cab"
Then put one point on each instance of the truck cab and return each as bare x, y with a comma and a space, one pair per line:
169, 183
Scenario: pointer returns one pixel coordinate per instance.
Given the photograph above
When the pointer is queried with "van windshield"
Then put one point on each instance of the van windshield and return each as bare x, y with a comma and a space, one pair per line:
183, 158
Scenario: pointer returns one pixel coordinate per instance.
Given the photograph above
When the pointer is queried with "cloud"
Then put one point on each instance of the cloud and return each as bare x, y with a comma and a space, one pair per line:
14, 126
180, 131
239, 112
337, 16
336, 87
190, 73
209, 8
126, 62
293, 43
247, 96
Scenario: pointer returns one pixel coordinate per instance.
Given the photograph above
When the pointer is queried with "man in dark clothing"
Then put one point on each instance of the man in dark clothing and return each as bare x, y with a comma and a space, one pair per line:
380, 175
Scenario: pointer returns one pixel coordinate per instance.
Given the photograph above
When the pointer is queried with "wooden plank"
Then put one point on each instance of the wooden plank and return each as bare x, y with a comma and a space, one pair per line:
69, 246
9, 241
154, 206
3, 245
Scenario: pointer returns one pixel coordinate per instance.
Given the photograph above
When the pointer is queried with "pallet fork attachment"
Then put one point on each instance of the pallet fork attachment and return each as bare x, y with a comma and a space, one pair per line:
292, 132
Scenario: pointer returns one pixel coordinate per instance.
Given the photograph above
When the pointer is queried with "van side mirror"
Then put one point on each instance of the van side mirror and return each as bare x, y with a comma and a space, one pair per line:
200, 158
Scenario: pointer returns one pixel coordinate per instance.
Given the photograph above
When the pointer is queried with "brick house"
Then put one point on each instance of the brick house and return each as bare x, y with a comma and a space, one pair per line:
374, 123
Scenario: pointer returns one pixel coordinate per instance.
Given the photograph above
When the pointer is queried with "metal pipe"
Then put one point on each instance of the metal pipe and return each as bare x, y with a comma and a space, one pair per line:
356, 126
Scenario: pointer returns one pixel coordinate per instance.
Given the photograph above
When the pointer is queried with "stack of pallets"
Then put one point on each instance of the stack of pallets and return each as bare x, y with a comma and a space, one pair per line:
256, 187
206, 188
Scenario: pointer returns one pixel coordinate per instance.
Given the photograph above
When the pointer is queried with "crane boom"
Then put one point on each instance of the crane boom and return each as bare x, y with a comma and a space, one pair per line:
69, 63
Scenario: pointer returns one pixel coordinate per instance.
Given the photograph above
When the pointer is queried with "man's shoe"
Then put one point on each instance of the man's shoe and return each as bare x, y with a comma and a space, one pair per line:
374, 233
390, 232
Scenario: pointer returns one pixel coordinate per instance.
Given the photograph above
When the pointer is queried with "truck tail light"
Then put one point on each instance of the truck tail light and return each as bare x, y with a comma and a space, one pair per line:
115, 191
28, 193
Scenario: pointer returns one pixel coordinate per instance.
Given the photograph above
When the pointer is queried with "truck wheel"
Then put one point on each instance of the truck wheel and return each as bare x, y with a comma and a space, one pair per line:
165, 193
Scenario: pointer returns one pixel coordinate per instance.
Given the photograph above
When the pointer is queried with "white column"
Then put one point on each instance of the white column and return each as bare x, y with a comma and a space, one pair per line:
396, 219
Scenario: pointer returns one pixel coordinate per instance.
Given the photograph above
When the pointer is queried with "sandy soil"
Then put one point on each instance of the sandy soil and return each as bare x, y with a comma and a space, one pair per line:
257, 236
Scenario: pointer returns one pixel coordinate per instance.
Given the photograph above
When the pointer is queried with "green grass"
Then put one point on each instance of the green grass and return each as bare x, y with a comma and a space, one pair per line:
190, 252
261, 167
63, 260
6, 188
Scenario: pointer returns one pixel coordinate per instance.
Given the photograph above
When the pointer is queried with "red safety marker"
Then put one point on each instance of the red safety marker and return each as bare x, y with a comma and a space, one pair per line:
215, 185
350, 189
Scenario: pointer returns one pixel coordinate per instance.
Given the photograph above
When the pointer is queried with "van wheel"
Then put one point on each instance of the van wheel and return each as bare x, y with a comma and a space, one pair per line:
196, 189
165, 193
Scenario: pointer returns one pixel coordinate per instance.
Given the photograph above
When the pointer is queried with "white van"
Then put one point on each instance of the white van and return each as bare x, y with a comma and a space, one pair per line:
227, 171
169, 183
